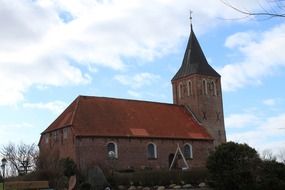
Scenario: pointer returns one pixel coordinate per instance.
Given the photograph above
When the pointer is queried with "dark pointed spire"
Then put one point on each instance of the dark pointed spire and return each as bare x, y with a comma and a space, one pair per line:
191, 19
194, 61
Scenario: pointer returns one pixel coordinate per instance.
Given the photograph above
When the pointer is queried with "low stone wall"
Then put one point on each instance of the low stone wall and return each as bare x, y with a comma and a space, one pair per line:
17, 185
201, 186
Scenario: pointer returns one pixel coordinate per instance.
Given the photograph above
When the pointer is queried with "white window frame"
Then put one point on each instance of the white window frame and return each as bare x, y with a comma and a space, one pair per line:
189, 84
47, 138
65, 133
55, 136
214, 88
191, 150
115, 151
204, 86
180, 89
155, 151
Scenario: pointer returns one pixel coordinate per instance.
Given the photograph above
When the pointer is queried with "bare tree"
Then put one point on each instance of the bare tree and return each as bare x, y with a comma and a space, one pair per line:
281, 155
267, 9
267, 155
21, 158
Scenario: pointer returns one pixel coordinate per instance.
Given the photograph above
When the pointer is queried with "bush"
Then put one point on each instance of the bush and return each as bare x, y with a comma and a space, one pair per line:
237, 166
69, 167
158, 177
233, 166
53, 169
85, 186
272, 176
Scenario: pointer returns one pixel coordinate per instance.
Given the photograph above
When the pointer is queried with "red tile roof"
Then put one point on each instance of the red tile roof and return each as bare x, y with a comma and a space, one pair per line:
110, 117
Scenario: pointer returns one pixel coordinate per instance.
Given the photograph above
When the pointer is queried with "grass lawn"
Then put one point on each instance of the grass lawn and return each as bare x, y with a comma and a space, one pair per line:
1, 186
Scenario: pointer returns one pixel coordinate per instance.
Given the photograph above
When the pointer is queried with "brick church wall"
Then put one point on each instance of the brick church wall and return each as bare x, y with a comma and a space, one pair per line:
132, 152
60, 146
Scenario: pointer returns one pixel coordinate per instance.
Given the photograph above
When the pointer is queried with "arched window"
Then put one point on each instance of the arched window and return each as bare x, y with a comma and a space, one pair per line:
151, 151
65, 133
204, 87
189, 88
187, 151
55, 136
215, 88
47, 138
180, 90
112, 150
212, 88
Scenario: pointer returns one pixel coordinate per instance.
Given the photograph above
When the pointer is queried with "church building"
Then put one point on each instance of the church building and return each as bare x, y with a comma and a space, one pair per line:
123, 133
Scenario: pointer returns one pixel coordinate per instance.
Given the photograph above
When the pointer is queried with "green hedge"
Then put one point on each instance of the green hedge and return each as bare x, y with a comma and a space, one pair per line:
158, 177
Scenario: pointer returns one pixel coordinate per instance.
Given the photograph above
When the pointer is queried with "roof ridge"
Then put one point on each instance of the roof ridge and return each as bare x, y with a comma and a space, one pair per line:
192, 114
75, 109
132, 100
61, 116
147, 137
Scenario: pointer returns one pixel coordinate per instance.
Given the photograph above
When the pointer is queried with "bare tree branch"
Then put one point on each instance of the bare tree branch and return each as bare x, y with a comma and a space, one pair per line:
21, 158
281, 155
267, 155
275, 10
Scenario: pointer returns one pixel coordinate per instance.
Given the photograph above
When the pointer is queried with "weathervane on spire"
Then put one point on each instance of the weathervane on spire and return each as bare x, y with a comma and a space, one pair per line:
191, 19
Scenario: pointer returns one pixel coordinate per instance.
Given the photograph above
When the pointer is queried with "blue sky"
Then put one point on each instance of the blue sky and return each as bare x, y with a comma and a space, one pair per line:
53, 51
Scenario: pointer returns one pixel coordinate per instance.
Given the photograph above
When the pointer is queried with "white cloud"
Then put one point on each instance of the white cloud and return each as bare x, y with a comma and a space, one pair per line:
16, 126
275, 125
265, 133
240, 39
55, 107
39, 47
17, 132
269, 102
16, 78
134, 94
241, 120
262, 56
138, 80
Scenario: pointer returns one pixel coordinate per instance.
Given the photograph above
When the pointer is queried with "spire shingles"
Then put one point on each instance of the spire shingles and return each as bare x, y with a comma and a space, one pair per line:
194, 61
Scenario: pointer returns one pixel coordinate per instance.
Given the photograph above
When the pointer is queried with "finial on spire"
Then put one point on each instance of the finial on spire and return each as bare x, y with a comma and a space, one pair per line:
191, 19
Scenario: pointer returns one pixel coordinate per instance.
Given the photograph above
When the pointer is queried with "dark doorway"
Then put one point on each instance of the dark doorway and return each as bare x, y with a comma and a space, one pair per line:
170, 159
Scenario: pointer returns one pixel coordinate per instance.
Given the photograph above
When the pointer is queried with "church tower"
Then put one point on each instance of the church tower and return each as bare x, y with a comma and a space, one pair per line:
197, 86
